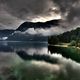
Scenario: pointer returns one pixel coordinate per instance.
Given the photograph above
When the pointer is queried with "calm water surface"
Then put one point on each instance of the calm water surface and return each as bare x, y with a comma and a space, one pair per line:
62, 69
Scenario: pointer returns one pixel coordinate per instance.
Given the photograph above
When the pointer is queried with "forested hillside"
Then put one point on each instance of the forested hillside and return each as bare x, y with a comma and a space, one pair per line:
72, 37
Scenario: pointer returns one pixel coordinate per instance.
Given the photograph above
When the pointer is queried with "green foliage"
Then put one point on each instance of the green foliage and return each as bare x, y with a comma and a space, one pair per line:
78, 45
53, 40
69, 52
1, 77
66, 37
72, 43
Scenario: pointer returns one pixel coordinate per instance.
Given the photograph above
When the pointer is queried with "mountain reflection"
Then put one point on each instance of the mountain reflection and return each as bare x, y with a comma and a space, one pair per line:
36, 57
28, 47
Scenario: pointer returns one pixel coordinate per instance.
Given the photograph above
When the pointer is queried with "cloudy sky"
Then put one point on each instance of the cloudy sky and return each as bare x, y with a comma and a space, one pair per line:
15, 12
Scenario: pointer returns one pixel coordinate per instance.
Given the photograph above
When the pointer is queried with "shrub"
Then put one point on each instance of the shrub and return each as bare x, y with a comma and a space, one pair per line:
72, 43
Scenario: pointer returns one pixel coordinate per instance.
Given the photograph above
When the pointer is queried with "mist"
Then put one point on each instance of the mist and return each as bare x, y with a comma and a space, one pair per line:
14, 13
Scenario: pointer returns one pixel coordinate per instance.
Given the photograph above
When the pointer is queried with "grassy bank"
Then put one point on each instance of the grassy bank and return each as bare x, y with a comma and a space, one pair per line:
67, 51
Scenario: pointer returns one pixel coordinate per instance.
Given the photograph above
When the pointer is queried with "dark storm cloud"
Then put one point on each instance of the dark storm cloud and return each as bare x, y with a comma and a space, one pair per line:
7, 20
70, 9
24, 8
14, 12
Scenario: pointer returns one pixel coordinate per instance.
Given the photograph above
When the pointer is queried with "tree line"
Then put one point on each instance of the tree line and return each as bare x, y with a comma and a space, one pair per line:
72, 37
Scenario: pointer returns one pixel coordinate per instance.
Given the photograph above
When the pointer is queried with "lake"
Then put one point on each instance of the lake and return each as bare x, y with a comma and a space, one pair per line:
34, 61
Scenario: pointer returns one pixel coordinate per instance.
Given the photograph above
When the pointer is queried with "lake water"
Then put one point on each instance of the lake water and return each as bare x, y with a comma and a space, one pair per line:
40, 63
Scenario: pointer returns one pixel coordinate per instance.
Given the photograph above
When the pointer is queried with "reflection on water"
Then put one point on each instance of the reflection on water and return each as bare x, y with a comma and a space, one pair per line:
28, 47
35, 47
8, 50
43, 64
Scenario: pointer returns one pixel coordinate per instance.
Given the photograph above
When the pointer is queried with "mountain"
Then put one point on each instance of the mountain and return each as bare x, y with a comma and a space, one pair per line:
47, 24
12, 36
24, 26
6, 32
